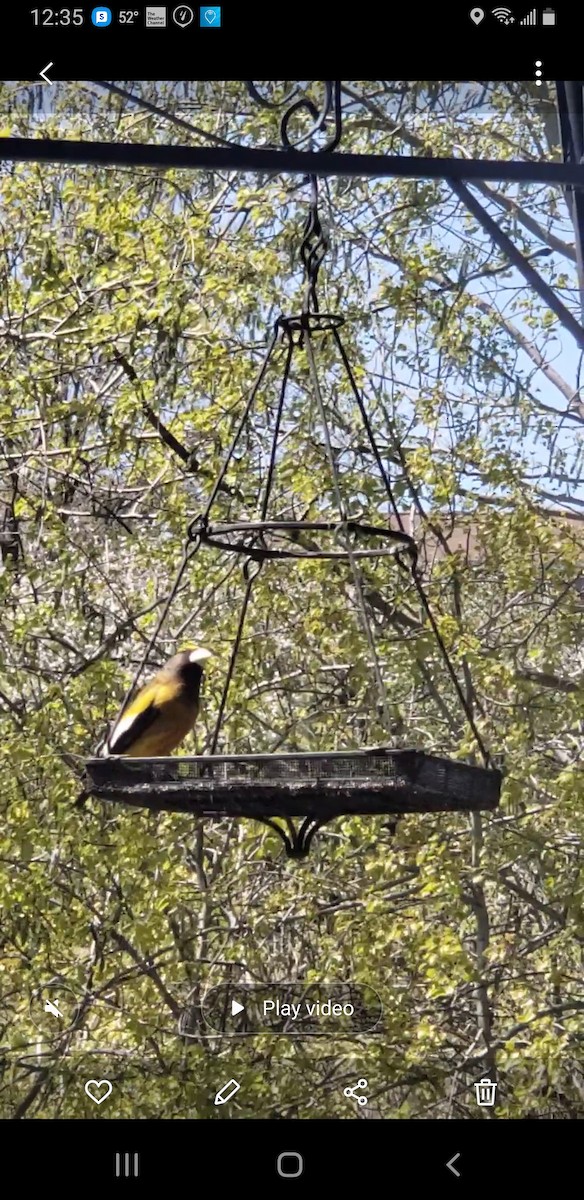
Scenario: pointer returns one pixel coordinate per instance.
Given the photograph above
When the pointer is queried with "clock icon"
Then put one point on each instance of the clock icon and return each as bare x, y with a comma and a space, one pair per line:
183, 15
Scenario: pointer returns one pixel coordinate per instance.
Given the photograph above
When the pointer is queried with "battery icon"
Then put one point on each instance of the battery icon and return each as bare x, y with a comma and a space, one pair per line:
548, 16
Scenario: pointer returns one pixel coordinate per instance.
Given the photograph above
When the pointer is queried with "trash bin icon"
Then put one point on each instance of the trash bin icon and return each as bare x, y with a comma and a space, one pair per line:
485, 1092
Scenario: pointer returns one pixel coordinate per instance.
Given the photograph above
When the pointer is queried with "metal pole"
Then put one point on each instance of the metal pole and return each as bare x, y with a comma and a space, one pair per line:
286, 162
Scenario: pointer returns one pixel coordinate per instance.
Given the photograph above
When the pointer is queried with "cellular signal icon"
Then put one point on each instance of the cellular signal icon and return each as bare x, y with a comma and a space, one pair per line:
530, 19
504, 15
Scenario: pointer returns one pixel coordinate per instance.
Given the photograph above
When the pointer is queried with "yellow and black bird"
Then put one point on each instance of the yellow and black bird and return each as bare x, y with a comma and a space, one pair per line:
157, 719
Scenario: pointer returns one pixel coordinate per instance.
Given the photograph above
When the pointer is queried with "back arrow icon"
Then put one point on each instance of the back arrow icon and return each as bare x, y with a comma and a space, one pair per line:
43, 73
450, 1166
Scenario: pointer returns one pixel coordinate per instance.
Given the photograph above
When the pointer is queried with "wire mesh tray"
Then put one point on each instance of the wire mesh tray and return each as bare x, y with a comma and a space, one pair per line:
378, 780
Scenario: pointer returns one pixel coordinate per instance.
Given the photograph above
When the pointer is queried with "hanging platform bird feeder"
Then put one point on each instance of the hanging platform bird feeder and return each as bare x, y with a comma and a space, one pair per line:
317, 787
313, 788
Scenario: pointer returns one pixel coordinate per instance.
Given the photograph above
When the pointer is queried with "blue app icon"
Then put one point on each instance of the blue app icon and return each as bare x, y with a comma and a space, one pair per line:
210, 16
101, 16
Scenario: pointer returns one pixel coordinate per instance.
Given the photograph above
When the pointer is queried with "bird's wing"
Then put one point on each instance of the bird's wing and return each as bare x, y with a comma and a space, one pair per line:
133, 723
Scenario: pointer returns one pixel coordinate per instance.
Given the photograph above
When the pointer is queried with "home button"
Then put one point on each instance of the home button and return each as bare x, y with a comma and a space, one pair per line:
289, 1164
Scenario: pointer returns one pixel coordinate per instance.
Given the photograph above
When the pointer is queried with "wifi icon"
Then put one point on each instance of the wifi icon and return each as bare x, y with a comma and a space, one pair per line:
504, 15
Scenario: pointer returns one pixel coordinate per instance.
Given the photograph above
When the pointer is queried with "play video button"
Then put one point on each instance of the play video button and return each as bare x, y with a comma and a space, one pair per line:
314, 1009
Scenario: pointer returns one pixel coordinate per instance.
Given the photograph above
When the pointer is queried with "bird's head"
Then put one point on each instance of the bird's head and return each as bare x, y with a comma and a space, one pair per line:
189, 665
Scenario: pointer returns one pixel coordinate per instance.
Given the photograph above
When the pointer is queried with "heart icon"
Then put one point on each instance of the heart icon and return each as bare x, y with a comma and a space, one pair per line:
210, 16
95, 1085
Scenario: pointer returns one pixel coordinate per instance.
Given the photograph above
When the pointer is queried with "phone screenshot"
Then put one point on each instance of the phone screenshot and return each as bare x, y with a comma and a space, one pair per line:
292, 588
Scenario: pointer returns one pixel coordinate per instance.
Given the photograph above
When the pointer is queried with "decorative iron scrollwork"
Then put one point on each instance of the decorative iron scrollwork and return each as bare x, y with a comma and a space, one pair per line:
295, 103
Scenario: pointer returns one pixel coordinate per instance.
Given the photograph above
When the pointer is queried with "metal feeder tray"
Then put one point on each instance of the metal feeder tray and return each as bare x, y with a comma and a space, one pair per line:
317, 787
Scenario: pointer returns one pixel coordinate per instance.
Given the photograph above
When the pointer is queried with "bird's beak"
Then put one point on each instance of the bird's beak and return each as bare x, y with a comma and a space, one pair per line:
200, 655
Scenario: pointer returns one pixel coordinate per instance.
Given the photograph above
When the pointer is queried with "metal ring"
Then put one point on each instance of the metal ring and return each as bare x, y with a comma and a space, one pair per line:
220, 538
316, 321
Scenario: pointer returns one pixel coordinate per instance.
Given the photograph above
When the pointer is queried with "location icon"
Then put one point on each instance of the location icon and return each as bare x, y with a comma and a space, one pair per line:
476, 15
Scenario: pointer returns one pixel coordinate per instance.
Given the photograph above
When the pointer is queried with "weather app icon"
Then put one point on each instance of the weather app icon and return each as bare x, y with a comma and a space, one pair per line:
101, 16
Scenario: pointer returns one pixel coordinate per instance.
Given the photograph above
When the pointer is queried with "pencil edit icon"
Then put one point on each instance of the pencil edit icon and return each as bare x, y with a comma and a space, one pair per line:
227, 1092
